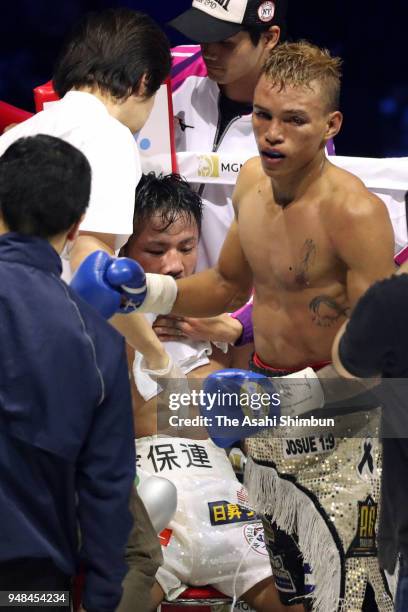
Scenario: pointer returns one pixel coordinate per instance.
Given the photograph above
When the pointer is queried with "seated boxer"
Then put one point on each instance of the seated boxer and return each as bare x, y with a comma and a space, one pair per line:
213, 526
310, 239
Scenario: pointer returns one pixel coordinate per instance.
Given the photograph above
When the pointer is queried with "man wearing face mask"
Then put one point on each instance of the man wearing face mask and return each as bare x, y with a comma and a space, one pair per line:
213, 98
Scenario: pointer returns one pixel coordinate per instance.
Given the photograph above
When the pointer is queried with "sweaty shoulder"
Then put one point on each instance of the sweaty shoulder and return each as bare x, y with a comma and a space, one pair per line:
359, 229
347, 200
250, 173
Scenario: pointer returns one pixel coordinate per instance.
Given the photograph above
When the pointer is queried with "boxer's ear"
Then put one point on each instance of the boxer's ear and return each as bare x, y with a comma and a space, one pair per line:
333, 125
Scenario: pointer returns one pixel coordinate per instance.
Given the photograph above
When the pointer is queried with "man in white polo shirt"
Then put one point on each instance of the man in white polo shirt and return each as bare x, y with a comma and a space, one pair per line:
107, 77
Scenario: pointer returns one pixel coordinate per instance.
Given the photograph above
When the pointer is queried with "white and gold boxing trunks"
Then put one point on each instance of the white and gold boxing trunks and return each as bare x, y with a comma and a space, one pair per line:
318, 493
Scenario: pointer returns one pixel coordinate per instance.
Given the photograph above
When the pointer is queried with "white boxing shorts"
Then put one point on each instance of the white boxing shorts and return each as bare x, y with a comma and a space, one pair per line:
213, 527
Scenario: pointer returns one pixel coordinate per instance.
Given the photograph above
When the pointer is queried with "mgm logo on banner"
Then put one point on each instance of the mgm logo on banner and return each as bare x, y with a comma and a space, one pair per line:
212, 166
209, 165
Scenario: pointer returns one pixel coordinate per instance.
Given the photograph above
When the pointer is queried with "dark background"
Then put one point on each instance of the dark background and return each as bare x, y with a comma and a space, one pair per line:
367, 35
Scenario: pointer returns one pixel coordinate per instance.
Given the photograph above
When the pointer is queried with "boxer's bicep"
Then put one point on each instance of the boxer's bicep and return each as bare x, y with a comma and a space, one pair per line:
232, 264
246, 178
216, 290
364, 241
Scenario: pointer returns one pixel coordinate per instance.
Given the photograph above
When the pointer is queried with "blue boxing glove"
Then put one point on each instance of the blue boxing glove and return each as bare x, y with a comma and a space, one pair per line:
110, 284
238, 404
119, 284
128, 277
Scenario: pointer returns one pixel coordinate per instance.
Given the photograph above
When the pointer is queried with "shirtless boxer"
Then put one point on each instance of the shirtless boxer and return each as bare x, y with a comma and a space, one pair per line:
318, 227
310, 239
167, 226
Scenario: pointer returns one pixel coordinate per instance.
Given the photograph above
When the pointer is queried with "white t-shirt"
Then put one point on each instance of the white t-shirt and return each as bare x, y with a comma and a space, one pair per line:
83, 120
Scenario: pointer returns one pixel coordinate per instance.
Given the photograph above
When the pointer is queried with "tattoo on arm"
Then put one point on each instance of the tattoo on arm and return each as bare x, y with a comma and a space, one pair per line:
326, 312
307, 259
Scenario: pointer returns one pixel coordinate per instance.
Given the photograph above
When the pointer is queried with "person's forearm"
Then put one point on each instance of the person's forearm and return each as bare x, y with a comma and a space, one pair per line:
86, 244
337, 388
207, 294
139, 334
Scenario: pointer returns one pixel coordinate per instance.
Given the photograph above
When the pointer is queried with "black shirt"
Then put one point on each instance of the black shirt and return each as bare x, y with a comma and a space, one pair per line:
228, 111
376, 342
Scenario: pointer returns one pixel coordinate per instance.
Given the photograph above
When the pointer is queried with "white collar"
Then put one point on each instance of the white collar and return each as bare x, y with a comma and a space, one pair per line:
85, 101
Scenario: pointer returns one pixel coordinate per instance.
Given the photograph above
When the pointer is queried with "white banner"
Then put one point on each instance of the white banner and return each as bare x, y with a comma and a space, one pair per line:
385, 174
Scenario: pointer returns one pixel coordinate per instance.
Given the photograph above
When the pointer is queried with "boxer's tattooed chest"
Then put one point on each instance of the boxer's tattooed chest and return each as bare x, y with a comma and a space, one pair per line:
326, 312
307, 259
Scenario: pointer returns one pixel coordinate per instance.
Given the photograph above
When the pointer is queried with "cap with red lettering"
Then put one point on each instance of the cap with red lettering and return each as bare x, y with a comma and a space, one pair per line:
215, 20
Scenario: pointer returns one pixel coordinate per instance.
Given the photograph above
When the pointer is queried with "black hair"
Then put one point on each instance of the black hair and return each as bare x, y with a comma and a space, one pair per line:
113, 50
255, 33
169, 196
45, 185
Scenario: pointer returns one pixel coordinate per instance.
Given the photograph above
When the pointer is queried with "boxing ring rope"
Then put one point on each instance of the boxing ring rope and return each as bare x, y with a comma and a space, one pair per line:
11, 114
386, 177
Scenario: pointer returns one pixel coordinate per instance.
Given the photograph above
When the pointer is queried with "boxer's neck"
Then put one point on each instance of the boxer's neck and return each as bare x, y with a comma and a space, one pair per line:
289, 189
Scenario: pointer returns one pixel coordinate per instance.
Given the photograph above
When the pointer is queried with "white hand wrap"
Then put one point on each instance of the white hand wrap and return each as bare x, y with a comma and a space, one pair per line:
300, 392
172, 370
171, 379
161, 294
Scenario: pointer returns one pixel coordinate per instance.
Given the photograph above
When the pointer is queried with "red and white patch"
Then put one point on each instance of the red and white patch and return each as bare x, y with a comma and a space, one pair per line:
266, 11
253, 533
242, 497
